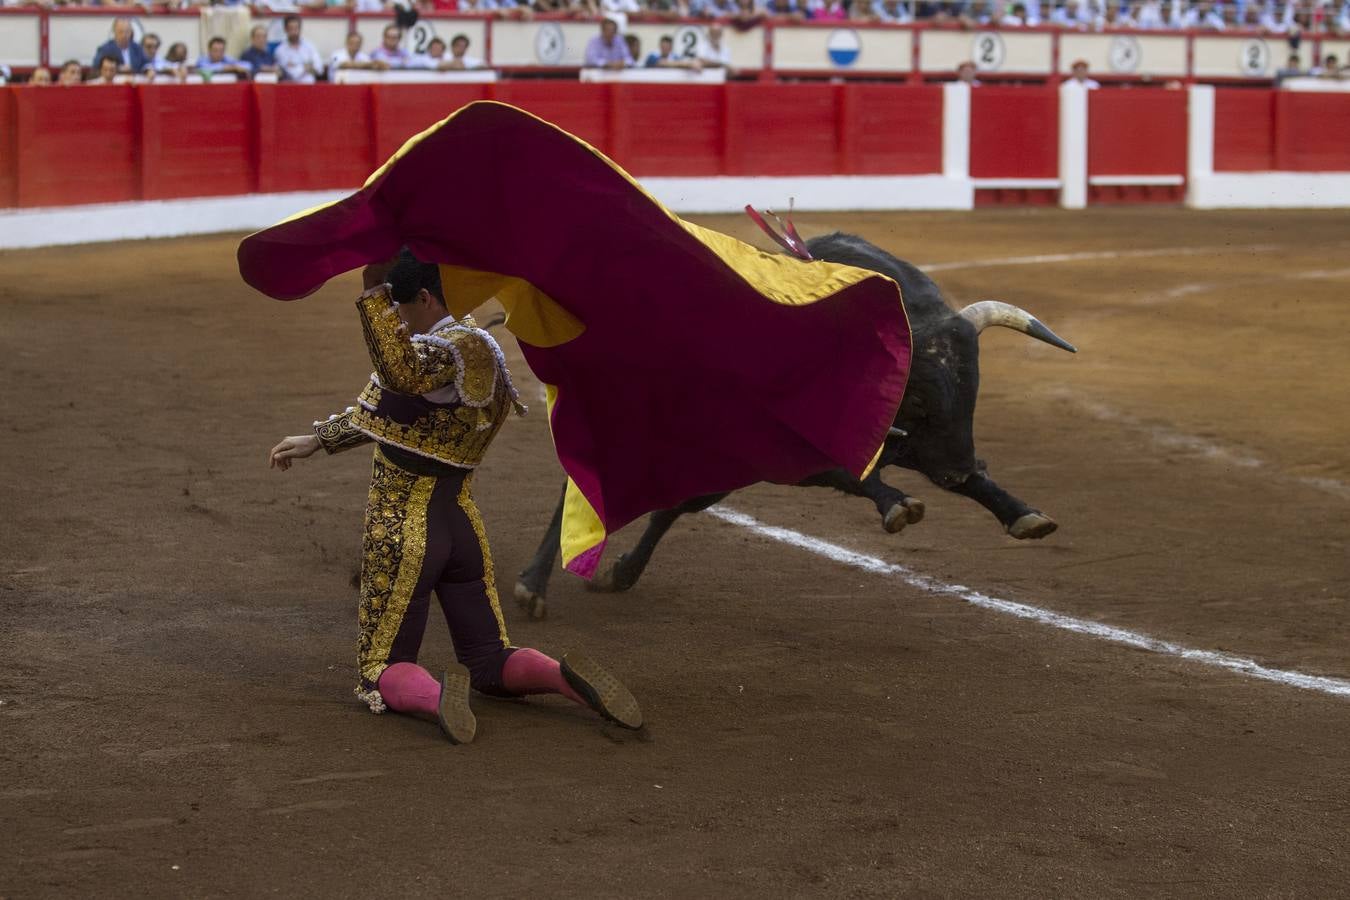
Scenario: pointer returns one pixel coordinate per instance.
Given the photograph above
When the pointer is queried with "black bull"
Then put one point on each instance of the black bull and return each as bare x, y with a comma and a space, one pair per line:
933, 433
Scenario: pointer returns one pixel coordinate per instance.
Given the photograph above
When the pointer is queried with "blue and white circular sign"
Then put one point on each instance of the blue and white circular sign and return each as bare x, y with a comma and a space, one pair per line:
844, 46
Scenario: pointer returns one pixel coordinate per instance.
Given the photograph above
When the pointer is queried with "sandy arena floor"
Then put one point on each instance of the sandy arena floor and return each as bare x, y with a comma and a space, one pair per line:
177, 623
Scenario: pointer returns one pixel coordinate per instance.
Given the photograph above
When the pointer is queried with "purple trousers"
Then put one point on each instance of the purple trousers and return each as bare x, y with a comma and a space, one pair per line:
424, 536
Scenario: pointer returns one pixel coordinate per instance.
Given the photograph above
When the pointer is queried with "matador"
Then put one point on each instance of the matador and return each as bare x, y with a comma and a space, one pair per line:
438, 396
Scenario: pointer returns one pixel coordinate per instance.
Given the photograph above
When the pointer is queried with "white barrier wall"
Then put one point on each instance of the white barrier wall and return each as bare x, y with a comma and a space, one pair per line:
20, 37
843, 48
991, 51
1125, 54
1239, 57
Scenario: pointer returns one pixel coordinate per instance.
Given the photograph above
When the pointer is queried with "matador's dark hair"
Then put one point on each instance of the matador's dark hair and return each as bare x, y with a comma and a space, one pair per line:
409, 275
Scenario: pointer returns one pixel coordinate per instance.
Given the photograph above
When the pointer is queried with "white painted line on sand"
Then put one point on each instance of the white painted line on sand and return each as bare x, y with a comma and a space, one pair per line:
1338, 687
1204, 447
1085, 256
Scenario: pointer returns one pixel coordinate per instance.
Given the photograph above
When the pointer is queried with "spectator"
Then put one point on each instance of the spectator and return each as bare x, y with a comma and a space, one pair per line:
747, 15
459, 54
390, 54
965, 74
931, 10
1282, 24
714, 51
504, 8
107, 70
433, 58
296, 57
826, 10
41, 77
783, 9
1015, 17
665, 58
669, 9
1117, 16
150, 52
619, 11
606, 50
891, 11
215, 62
176, 61
351, 56
1150, 16
1292, 69
1203, 15
1331, 68
634, 45
712, 9
71, 73
258, 57
126, 52
1079, 71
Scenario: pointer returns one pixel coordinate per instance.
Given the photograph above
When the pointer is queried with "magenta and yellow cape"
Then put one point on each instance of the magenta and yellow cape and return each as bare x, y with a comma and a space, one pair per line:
678, 361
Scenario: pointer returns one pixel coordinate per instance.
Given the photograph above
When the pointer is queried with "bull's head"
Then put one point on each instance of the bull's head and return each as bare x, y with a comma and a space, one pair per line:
938, 410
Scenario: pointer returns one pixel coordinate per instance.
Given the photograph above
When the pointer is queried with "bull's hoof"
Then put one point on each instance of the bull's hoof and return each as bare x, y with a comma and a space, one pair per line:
907, 512
1032, 526
611, 581
531, 602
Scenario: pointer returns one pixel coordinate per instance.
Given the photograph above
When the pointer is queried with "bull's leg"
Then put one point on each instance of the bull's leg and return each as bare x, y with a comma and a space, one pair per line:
1020, 520
897, 508
629, 567
532, 585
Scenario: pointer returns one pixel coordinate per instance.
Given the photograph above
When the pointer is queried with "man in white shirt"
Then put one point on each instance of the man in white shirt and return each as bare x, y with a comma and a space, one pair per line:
1080, 75
459, 55
1203, 15
296, 57
351, 56
714, 51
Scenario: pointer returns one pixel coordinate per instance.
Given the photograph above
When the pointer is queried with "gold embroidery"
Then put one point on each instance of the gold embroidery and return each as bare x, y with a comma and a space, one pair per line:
458, 435
478, 368
489, 574
336, 433
394, 546
401, 365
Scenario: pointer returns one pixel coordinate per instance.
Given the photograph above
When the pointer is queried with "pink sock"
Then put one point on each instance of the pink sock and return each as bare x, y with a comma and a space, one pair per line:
409, 688
531, 672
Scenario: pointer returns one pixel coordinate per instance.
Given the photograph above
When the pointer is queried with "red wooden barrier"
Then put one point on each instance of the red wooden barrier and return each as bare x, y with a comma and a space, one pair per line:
403, 110
1136, 132
582, 109
313, 137
76, 145
195, 142
1244, 130
782, 129
671, 130
1014, 132
9, 133
1312, 132
891, 129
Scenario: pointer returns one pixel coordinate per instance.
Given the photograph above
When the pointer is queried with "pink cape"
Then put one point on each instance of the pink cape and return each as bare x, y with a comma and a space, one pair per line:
705, 365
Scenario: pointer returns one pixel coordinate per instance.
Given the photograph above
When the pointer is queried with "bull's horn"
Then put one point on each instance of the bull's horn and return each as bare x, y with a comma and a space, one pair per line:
995, 312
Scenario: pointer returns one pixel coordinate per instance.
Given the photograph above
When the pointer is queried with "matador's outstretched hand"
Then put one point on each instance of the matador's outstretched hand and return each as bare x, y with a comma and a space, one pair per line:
296, 447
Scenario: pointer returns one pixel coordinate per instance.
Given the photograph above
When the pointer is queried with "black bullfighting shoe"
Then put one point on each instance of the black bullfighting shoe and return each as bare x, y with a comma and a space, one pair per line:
602, 691
453, 712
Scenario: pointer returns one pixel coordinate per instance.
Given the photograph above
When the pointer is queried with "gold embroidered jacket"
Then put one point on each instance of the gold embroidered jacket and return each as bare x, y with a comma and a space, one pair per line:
443, 395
